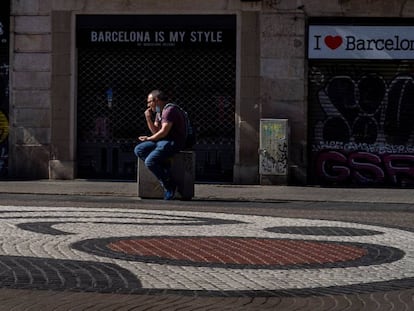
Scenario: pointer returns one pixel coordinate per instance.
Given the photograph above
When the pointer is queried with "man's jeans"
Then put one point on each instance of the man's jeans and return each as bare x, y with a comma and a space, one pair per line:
155, 156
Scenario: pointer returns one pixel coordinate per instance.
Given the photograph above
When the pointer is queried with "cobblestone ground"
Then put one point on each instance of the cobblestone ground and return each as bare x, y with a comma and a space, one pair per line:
68, 254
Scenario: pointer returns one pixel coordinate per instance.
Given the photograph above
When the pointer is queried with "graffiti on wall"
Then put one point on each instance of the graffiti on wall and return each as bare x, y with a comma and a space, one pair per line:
365, 133
273, 153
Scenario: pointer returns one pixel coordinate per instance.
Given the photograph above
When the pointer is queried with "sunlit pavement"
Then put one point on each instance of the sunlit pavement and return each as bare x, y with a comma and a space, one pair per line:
153, 255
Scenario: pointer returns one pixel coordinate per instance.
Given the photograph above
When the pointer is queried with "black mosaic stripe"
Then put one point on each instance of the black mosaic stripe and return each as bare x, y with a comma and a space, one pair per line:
323, 231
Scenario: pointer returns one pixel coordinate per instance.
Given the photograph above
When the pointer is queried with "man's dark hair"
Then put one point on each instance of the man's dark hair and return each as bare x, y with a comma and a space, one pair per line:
160, 95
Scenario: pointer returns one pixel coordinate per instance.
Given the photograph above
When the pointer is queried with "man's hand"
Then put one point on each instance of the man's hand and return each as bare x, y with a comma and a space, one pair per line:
143, 138
148, 113
153, 125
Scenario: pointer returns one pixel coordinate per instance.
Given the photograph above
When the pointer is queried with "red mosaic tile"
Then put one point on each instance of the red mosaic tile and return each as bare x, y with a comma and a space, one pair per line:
239, 251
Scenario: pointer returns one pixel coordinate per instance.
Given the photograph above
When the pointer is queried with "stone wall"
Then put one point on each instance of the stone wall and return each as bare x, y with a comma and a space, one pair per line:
43, 137
30, 113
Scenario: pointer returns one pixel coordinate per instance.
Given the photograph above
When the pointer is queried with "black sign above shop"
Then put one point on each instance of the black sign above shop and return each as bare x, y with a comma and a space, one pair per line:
151, 31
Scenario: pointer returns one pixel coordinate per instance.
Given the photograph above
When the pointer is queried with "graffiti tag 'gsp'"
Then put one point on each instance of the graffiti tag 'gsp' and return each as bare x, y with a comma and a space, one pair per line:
367, 119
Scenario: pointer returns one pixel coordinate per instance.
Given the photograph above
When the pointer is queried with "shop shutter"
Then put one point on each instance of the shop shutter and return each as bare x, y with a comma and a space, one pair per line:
361, 123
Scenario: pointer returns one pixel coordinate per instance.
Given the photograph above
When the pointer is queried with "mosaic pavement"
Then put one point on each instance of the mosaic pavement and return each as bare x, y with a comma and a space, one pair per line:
130, 251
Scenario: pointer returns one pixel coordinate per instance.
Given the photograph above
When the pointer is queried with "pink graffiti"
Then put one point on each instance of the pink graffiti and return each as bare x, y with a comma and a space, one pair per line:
365, 168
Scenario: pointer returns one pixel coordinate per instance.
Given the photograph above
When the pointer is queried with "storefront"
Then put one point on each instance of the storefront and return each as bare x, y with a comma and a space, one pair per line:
361, 102
338, 74
81, 75
121, 58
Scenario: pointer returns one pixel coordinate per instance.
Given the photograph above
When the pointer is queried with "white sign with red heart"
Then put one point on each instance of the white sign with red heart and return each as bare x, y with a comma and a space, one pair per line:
360, 42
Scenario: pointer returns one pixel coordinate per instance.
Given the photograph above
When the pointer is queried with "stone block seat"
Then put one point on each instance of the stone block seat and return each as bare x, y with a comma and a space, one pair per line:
183, 172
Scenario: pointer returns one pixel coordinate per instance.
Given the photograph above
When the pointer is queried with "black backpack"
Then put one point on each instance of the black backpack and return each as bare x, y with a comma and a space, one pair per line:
190, 134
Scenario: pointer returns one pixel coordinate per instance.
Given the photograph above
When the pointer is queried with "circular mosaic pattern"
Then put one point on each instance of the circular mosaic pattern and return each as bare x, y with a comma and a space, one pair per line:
201, 253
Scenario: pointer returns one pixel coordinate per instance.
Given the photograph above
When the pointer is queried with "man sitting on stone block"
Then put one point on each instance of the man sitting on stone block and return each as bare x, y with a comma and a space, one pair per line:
168, 134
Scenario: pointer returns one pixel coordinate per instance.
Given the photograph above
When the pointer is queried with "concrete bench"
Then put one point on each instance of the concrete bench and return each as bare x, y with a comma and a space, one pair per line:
183, 172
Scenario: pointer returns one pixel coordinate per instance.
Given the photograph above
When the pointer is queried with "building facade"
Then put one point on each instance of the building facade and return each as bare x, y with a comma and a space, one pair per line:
280, 91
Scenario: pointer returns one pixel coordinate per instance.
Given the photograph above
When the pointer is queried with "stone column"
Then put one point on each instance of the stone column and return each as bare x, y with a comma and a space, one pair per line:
30, 116
283, 81
247, 106
62, 162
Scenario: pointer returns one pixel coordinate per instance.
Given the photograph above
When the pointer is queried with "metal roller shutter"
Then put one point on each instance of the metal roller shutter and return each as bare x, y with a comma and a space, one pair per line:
361, 123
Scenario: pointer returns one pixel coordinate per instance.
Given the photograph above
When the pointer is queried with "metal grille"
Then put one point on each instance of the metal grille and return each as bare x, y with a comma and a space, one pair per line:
200, 81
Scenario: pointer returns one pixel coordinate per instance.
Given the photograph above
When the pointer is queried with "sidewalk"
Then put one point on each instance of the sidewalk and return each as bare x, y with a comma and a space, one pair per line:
215, 191
127, 255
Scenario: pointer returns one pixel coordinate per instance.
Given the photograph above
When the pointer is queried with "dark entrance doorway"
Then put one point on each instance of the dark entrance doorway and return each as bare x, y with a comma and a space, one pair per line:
119, 64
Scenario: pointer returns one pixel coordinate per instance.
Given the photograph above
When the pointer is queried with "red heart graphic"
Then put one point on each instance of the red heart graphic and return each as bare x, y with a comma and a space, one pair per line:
333, 42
